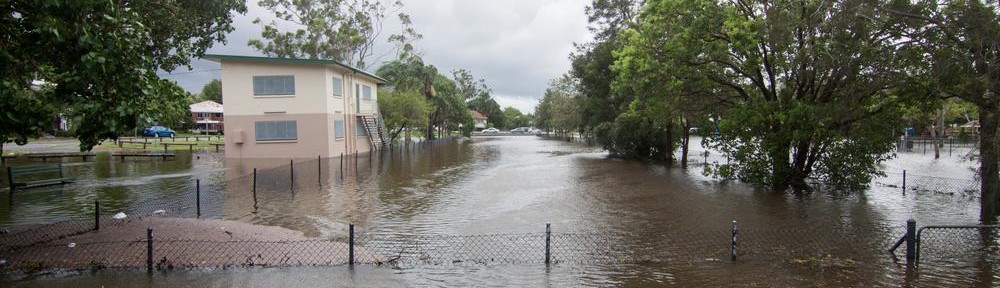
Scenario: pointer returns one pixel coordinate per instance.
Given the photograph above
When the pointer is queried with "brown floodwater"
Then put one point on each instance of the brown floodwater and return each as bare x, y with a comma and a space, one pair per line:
678, 222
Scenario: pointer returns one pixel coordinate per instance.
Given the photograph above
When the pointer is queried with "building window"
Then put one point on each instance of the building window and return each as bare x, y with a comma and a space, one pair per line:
366, 93
338, 128
338, 86
275, 130
361, 128
274, 85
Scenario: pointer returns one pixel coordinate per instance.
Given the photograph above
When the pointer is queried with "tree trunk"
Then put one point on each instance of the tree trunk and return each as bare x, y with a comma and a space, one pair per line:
781, 170
988, 166
669, 154
685, 142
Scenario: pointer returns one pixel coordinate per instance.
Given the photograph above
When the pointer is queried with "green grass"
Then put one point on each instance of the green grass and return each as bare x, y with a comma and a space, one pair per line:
154, 146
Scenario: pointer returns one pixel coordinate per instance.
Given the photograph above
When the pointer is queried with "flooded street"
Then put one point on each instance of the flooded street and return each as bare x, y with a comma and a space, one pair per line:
677, 222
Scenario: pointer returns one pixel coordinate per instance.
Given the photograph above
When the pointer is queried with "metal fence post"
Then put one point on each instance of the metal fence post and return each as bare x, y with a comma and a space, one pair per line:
911, 241
904, 181
341, 166
291, 174
350, 249
149, 249
97, 215
255, 188
732, 249
548, 241
319, 169
197, 197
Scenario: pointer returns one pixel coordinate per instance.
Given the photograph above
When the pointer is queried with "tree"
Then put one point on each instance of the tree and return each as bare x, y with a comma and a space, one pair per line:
962, 42
402, 109
489, 107
340, 30
515, 118
212, 91
96, 61
558, 111
817, 85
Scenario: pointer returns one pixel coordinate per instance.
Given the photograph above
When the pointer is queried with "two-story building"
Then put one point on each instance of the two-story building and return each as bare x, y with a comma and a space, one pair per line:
297, 108
208, 117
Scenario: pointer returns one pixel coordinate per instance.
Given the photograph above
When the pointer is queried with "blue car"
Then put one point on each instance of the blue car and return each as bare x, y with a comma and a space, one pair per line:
157, 131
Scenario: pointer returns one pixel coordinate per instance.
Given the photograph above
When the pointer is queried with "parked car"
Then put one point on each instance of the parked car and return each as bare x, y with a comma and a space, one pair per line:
520, 130
491, 131
158, 131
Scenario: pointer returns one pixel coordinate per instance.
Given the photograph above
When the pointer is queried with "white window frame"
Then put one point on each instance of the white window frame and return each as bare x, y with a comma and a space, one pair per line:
338, 93
366, 93
293, 136
279, 93
338, 129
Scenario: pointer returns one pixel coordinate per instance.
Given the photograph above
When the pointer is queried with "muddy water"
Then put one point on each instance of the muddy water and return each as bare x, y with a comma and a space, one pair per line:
677, 218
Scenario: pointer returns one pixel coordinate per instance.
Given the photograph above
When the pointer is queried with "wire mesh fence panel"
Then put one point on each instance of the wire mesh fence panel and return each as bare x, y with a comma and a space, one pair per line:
454, 250
921, 183
77, 255
44, 233
959, 245
195, 253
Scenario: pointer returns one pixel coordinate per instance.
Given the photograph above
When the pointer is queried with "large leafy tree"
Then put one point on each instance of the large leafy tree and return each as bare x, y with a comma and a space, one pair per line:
212, 91
558, 111
341, 30
96, 61
961, 40
403, 109
815, 83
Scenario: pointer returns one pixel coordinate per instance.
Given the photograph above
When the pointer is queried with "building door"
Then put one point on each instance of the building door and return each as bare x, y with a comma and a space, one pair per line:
357, 98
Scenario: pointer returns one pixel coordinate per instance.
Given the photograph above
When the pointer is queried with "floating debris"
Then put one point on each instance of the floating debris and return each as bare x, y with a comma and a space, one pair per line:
119, 216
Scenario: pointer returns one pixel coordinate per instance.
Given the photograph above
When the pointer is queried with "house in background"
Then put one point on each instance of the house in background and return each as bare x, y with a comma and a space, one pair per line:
479, 119
297, 108
207, 117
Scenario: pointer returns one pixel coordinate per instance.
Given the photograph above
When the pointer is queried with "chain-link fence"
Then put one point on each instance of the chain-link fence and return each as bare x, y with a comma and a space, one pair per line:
38, 247
922, 183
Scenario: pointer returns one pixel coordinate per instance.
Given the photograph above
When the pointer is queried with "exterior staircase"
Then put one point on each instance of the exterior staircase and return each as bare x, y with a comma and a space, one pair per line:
376, 130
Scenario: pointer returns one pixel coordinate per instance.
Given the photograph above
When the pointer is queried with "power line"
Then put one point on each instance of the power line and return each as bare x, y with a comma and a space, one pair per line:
189, 72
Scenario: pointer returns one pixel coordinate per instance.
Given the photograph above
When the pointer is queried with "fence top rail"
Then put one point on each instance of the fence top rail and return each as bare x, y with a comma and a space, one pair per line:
921, 230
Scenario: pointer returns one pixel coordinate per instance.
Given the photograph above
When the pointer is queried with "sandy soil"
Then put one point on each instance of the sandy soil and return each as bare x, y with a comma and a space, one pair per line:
184, 242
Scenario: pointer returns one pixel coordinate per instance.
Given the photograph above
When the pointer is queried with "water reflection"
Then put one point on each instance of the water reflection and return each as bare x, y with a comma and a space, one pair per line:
677, 219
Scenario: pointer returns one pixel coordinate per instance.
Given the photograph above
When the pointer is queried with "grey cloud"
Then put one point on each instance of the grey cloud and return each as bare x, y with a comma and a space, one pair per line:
516, 45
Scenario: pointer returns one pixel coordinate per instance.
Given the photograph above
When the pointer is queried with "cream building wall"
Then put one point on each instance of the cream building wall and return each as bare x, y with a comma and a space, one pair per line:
314, 108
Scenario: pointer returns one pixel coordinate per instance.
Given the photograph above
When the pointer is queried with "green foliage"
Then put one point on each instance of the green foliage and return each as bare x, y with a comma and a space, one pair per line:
515, 118
402, 109
558, 110
340, 30
96, 61
212, 91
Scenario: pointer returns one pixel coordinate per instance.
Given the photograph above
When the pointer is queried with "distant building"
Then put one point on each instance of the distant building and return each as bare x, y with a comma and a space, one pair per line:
479, 119
207, 117
297, 108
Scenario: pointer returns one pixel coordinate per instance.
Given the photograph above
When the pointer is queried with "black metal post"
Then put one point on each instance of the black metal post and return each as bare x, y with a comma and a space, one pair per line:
255, 188
319, 169
97, 214
350, 250
548, 241
732, 250
197, 197
341, 166
904, 181
706, 157
149, 250
911, 241
291, 175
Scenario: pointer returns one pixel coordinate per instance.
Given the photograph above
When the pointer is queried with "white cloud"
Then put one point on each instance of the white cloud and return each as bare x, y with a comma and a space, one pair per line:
516, 45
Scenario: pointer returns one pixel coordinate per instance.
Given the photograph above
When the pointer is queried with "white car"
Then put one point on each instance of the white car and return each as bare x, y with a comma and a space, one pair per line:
491, 131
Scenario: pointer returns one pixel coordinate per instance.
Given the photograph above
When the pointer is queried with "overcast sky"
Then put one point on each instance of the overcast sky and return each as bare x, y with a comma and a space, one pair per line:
516, 45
